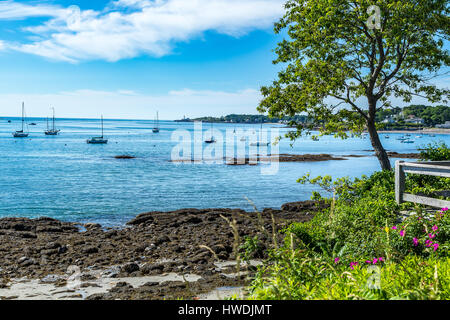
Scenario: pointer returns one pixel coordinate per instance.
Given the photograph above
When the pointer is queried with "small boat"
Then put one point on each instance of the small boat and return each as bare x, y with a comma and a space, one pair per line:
98, 140
432, 135
260, 143
9, 121
156, 128
212, 139
408, 141
386, 137
33, 124
21, 133
53, 131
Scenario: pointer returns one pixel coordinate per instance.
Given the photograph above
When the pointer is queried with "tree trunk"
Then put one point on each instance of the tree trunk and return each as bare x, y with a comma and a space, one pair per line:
378, 147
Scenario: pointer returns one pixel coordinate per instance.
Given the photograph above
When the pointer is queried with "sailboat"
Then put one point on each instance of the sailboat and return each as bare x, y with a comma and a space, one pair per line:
98, 140
21, 133
156, 128
53, 131
260, 143
211, 140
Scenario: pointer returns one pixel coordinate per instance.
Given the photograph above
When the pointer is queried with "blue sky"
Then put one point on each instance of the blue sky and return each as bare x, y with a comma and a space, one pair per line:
193, 58
130, 58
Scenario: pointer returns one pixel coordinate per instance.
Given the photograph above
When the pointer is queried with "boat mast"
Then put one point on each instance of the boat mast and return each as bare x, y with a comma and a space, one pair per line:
102, 126
23, 112
53, 119
157, 120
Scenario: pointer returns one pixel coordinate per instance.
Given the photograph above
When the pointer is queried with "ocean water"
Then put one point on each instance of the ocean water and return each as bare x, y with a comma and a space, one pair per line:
65, 178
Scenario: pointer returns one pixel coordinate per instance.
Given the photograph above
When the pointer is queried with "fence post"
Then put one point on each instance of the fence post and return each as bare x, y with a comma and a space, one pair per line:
399, 181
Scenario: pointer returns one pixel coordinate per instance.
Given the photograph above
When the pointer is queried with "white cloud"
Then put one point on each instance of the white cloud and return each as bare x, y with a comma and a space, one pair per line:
128, 104
129, 28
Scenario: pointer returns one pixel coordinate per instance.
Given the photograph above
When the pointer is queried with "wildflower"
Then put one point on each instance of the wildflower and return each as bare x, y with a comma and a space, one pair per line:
386, 229
381, 259
431, 236
336, 260
352, 264
445, 209
436, 246
402, 233
416, 242
375, 260
368, 261
394, 228
428, 243
435, 228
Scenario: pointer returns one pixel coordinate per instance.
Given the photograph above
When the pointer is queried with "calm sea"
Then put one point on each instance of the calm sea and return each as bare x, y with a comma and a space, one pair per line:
65, 178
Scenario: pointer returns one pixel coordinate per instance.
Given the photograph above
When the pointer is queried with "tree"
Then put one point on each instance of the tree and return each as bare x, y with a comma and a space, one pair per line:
343, 60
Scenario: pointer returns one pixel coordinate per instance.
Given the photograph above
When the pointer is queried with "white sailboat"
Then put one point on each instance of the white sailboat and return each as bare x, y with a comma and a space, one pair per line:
21, 133
260, 143
53, 131
98, 140
212, 139
156, 128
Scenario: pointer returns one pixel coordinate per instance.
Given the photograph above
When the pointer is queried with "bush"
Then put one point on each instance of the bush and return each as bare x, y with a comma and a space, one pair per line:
305, 277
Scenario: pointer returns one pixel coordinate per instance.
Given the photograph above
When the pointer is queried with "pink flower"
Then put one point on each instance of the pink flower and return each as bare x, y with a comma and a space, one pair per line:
402, 233
416, 242
435, 228
394, 228
375, 260
336, 260
368, 261
428, 243
436, 246
353, 264
445, 209
381, 259
432, 236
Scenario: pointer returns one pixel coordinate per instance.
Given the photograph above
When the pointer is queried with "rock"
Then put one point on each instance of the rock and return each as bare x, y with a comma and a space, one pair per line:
130, 267
111, 272
162, 239
90, 250
156, 268
193, 220
142, 218
92, 226
52, 245
304, 206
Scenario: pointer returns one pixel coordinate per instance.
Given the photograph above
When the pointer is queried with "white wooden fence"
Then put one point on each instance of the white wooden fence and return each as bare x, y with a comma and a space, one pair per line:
433, 168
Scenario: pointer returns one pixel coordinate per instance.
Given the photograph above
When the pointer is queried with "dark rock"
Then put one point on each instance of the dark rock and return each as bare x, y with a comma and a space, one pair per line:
130, 267
90, 250
162, 239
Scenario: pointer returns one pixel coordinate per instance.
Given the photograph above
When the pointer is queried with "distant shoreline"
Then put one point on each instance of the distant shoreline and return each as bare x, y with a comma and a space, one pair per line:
425, 131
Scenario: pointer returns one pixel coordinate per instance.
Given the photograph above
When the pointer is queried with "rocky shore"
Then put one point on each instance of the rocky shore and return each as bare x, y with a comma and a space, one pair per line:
158, 255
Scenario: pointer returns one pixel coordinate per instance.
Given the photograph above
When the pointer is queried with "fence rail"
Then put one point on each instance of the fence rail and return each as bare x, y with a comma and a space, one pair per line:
434, 168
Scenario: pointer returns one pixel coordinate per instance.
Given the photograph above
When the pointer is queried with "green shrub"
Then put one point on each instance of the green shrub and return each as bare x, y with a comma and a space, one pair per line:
301, 276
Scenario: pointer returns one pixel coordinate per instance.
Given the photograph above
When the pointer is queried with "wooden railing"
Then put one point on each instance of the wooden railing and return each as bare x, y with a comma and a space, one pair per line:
434, 168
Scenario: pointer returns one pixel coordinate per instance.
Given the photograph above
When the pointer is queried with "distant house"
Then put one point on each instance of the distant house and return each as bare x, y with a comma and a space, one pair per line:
414, 120
389, 120
446, 125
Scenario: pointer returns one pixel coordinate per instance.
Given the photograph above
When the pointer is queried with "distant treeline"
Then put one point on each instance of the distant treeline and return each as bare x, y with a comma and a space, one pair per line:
248, 118
432, 116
